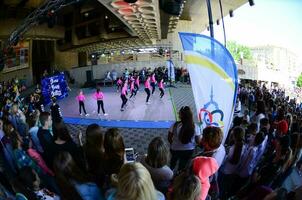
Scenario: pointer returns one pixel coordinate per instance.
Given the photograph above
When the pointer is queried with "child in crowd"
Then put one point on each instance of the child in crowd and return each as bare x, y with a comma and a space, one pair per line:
132, 88
99, 97
55, 110
81, 99
161, 88
119, 84
153, 82
123, 96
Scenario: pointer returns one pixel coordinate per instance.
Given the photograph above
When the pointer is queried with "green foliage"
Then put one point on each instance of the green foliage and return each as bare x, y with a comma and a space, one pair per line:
299, 81
236, 49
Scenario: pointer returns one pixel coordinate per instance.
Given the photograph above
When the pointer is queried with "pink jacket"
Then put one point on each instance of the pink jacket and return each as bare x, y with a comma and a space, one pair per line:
98, 96
132, 86
161, 84
119, 81
81, 97
147, 83
39, 160
204, 167
137, 81
153, 78
124, 90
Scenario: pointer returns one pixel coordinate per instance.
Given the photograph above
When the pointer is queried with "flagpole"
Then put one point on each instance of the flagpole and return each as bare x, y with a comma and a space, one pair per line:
210, 18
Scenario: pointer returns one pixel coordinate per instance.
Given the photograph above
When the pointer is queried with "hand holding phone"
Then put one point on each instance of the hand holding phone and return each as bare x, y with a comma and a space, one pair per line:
130, 156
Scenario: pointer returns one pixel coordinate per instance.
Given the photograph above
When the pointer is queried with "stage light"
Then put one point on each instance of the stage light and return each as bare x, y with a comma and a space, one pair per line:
251, 2
123, 52
92, 56
217, 22
106, 17
112, 53
231, 13
86, 14
103, 55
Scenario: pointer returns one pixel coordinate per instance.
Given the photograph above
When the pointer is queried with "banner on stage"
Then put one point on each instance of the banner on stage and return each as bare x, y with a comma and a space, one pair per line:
214, 80
54, 86
171, 70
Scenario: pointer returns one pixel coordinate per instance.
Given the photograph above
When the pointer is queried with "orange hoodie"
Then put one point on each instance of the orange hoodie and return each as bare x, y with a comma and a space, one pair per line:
204, 167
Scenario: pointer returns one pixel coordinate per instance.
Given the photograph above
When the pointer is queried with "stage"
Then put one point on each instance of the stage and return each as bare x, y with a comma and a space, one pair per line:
159, 114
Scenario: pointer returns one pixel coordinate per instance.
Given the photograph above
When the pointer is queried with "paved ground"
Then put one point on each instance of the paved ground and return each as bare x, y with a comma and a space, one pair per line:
140, 138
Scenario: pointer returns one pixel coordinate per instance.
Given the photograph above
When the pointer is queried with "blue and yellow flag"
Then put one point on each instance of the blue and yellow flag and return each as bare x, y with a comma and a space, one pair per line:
214, 80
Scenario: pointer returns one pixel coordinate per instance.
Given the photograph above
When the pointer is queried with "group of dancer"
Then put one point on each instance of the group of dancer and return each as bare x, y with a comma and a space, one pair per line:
131, 84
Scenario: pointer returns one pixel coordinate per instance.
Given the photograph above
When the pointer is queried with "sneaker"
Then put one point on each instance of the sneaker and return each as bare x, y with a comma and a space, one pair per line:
122, 109
105, 114
86, 115
148, 103
81, 114
99, 114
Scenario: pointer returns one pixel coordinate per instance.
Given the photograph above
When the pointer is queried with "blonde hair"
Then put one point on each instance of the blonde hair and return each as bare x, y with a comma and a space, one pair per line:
186, 187
135, 183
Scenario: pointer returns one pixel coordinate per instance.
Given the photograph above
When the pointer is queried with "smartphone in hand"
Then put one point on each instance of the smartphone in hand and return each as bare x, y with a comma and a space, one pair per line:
130, 156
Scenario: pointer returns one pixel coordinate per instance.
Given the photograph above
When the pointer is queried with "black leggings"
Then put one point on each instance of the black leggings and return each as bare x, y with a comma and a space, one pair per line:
82, 105
100, 104
147, 90
133, 93
162, 92
153, 87
124, 99
136, 87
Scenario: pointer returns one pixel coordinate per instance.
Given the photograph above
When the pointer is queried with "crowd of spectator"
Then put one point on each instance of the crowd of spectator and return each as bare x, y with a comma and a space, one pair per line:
260, 159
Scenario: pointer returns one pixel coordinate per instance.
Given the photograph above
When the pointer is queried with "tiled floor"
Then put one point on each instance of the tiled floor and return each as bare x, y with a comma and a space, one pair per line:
140, 138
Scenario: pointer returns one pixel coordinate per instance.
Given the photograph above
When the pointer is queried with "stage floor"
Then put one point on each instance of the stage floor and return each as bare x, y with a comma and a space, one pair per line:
159, 114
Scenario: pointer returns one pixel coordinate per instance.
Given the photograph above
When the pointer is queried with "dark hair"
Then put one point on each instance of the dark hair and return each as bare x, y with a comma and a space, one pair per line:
54, 99
260, 107
187, 129
264, 122
237, 121
28, 176
252, 127
32, 120
67, 171
44, 117
60, 130
158, 153
98, 90
259, 138
238, 136
212, 136
114, 142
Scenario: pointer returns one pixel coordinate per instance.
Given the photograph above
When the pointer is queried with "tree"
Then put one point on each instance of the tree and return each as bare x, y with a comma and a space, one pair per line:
299, 81
237, 50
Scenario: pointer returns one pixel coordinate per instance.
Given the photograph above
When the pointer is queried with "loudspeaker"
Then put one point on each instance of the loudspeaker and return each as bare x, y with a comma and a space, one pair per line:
89, 76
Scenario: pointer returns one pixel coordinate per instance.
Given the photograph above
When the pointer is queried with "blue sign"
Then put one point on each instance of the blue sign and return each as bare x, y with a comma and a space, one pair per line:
54, 86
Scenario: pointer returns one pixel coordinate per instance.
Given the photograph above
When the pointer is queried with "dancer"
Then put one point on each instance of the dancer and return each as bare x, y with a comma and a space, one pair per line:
119, 84
81, 98
99, 96
153, 82
161, 88
132, 88
147, 89
123, 95
136, 85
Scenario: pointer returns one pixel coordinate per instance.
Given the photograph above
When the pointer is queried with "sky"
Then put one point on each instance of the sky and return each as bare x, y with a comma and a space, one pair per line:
268, 22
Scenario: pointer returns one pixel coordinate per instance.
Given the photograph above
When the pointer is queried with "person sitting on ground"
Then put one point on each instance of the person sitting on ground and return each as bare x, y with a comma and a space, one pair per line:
183, 137
135, 183
73, 183
156, 162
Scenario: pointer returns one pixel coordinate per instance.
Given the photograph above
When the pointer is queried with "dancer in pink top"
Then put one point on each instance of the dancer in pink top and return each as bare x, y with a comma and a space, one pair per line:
136, 84
123, 95
132, 88
161, 88
153, 82
147, 89
119, 84
81, 98
99, 97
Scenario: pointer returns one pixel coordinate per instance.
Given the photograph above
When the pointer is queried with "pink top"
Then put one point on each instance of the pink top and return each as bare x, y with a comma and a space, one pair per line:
81, 97
124, 90
137, 81
161, 84
147, 83
98, 95
39, 160
153, 78
119, 81
132, 86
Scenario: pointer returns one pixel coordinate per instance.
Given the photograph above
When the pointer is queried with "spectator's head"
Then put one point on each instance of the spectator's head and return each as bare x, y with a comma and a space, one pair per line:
60, 131
94, 138
158, 153
280, 114
237, 121
135, 183
114, 143
32, 119
29, 178
283, 144
252, 129
264, 124
45, 120
259, 138
211, 138
187, 130
67, 172
238, 136
14, 108
260, 107
186, 187
81, 92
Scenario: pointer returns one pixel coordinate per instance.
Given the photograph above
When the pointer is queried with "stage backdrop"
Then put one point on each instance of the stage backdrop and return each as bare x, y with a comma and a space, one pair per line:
213, 75
54, 86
